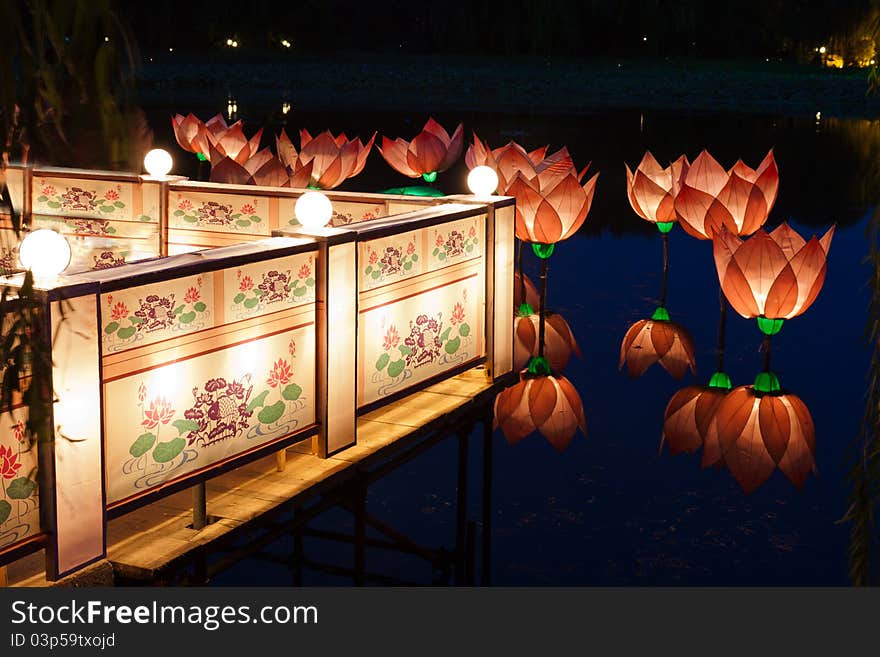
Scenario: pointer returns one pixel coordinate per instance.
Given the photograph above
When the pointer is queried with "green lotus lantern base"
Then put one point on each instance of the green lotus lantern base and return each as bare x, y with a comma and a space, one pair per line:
525, 310
661, 314
665, 226
543, 251
720, 381
767, 383
770, 326
538, 366
429, 177
413, 191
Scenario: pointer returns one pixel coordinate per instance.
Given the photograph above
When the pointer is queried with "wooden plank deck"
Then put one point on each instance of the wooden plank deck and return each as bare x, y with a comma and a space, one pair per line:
149, 541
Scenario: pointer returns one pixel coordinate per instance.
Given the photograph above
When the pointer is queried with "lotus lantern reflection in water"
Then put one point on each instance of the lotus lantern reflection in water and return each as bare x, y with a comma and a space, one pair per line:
544, 402
658, 340
739, 199
558, 338
652, 189
688, 416
331, 159
757, 432
772, 276
429, 153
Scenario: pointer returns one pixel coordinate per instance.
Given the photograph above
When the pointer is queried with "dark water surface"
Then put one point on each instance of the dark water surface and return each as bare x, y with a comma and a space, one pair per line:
611, 510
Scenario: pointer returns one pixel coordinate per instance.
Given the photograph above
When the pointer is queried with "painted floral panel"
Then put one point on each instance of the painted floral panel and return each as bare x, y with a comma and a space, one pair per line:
98, 227
19, 501
269, 286
344, 212
180, 417
227, 213
455, 241
405, 342
390, 259
83, 198
149, 313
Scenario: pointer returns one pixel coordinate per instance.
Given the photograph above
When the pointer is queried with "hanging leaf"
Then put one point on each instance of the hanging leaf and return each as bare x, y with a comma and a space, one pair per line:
179, 309
5, 510
165, 452
464, 330
136, 320
405, 350
270, 414
250, 303
445, 334
186, 318
142, 445
200, 306
415, 257
238, 298
21, 488
453, 345
298, 292
111, 327
292, 392
382, 362
127, 332
259, 400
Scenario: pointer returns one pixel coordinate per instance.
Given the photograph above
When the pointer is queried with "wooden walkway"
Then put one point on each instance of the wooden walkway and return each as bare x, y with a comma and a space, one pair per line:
147, 543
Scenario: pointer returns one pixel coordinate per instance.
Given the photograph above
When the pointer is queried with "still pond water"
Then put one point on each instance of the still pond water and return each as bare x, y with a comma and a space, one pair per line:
611, 510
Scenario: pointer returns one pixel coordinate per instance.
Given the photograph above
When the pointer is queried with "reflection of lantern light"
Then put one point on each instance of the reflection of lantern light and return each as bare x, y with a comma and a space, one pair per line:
313, 210
482, 181
158, 163
757, 432
649, 341
559, 341
687, 419
771, 276
532, 296
548, 403
45, 252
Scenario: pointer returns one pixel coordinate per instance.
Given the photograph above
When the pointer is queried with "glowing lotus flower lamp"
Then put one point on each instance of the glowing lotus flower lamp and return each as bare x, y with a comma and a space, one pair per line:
158, 163
482, 181
46, 253
313, 210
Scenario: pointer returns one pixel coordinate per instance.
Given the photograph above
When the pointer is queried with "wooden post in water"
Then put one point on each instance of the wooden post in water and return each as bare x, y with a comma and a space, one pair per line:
486, 574
461, 508
200, 506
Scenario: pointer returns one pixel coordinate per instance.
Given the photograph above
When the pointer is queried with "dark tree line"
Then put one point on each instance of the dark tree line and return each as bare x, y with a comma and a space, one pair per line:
541, 27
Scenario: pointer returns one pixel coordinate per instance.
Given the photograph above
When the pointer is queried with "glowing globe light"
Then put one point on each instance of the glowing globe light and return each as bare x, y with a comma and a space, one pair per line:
158, 163
313, 210
482, 181
45, 252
